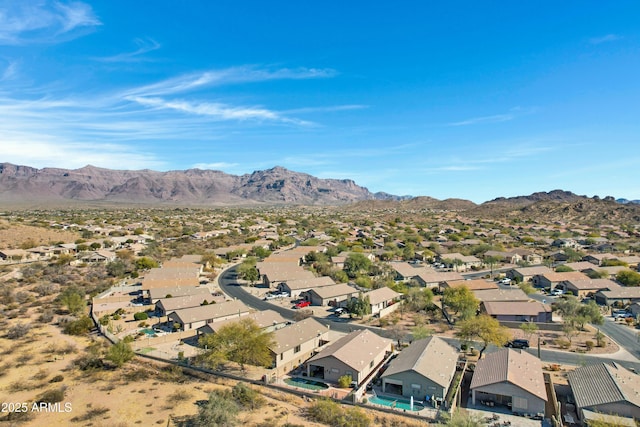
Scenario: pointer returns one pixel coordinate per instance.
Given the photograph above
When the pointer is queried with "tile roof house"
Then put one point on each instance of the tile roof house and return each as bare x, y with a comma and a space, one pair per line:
267, 320
553, 279
604, 388
296, 287
156, 294
622, 294
517, 311
415, 373
511, 378
357, 354
332, 295
472, 285
194, 317
501, 295
167, 305
587, 287
382, 298
435, 279
525, 274
294, 344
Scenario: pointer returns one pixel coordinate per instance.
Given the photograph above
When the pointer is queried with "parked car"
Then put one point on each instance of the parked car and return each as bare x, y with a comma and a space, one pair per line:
519, 343
505, 281
338, 311
621, 314
557, 292
270, 296
303, 304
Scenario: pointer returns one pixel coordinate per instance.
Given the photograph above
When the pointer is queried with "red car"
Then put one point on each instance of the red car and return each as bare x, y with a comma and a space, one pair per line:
303, 304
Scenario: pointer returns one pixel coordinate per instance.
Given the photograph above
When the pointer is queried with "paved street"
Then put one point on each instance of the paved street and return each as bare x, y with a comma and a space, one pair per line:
624, 336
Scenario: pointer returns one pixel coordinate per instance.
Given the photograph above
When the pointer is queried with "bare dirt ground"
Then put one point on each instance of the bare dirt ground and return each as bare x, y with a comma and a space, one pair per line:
15, 235
140, 393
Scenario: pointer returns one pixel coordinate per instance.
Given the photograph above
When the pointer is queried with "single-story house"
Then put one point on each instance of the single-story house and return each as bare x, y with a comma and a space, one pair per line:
528, 256
459, 262
381, 298
634, 309
510, 377
598, 259
167, 305
405, 271
435, 279
296, 343
517, 311
414, 373
171, 276
297, 286
156, 294
553, 279
97, 257
357, 354
333, 295
273, 272
622, 295
194, 317
506, 257
515, 294
528, 274
267, 320
583, 266
472, 285
611, 270
607, 389
587, 287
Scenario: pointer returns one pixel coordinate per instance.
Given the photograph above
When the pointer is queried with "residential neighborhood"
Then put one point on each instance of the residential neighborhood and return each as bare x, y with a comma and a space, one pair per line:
379, 317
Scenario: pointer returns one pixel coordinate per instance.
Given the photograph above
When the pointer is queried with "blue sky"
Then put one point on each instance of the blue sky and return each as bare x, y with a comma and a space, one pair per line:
464, 99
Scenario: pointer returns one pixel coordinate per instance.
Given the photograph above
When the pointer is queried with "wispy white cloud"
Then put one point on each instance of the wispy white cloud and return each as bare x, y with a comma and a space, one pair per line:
233, 75
329, 109
10, 71
605, 39
454, 168
39, 150
144, 46
497, 118
217, 111
23, 22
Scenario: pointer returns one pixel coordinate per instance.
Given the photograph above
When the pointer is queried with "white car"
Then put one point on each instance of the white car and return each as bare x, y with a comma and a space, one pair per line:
557, 292
505, 281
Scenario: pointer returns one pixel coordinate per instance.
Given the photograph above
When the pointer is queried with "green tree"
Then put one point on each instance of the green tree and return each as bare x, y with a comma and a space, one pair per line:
120, 353
360, 306
248, 271
242, 342
146, 263
73, 300
563, 268
461, 300
356, 264
417, 299
628, 278
80, 326
486, 329
344, 381
598, 274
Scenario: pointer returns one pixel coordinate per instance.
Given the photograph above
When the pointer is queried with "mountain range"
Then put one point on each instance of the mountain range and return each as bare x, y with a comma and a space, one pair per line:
196, 187
25, 185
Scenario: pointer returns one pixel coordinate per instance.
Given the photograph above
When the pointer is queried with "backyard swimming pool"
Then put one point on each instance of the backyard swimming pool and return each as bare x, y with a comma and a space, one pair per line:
395, 403
306, 383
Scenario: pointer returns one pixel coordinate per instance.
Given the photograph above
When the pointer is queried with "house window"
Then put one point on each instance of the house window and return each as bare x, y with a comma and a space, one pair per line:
335, 371
281, 356
296, 349
415, 386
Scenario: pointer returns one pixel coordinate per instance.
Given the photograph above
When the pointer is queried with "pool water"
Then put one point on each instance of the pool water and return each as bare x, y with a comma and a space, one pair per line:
306, 383
395, 403
149, 332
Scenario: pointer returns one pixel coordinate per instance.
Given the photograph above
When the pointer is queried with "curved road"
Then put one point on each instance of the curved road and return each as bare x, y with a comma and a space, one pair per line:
228, 285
